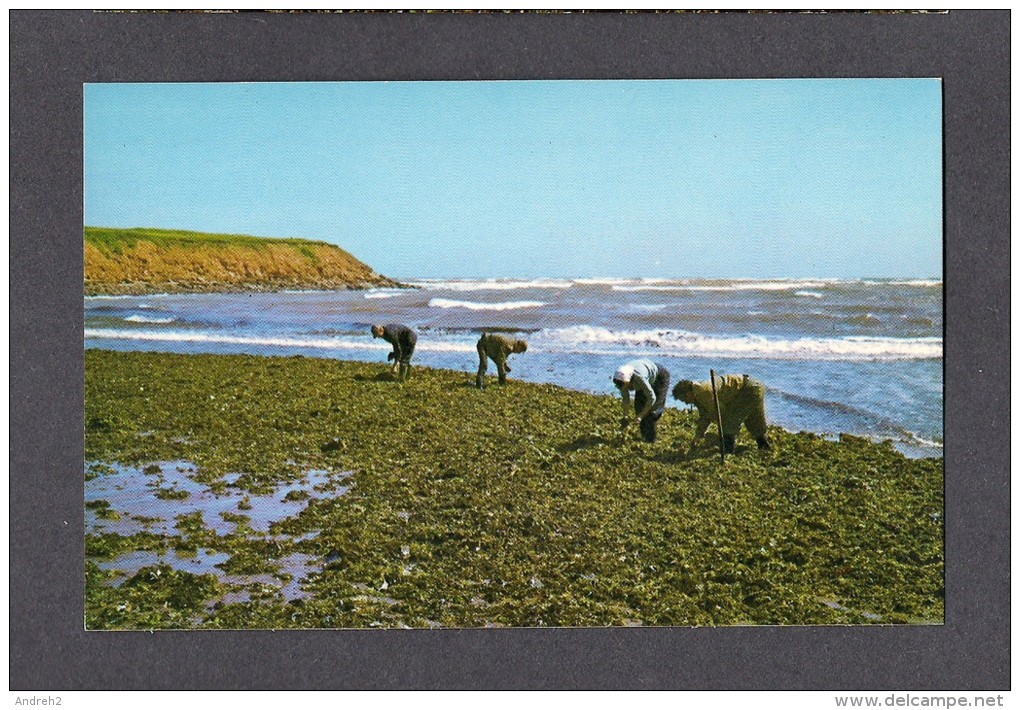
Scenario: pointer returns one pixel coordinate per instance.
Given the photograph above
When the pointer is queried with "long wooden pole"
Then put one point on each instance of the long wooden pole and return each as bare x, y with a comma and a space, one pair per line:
718, 419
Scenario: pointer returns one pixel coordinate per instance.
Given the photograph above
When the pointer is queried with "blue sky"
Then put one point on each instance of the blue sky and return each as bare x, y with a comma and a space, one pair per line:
720, 178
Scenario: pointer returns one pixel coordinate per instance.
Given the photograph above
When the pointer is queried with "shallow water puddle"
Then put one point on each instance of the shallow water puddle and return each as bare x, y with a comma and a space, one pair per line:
127, 500
203, 561
297, 565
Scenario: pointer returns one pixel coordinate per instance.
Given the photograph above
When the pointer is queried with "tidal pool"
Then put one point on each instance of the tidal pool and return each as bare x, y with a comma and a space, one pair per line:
203, 561
126, 500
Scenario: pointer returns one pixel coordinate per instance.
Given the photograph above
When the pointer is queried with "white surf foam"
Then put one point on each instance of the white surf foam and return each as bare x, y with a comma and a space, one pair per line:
682, 343
603, 281
616, 280
618, 287
126, 296
149, 319
924, 283
265, 341
476, 306
663, 285
925, 442
489, 284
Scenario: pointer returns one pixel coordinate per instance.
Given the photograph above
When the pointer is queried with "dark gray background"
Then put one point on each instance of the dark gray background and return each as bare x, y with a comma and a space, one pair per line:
53, 54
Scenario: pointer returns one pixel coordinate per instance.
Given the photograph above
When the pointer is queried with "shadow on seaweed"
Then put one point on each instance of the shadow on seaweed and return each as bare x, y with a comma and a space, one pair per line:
584, 442
380, 377
672, 455
462, 386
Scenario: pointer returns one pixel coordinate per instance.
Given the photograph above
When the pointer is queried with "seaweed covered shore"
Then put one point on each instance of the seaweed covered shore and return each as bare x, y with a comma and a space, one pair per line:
521, 505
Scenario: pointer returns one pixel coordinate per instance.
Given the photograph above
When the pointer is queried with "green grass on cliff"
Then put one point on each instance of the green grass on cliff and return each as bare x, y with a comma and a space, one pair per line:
517, 506
116, 240
145, 260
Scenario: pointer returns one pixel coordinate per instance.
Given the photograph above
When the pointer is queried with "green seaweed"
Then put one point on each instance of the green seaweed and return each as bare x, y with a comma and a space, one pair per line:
171, 494
103, 509
516, 506
156, 597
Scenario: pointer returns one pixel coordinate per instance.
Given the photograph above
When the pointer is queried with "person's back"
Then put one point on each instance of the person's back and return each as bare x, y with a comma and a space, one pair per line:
403, 340
650, 383
741, 401
394, 333
498, 347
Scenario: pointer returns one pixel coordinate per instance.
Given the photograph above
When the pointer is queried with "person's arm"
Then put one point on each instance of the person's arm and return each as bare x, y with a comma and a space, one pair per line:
625, 393
642, 384
703, 424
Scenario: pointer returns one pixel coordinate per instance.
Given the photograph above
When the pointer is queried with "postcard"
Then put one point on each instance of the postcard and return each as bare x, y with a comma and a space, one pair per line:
513, 354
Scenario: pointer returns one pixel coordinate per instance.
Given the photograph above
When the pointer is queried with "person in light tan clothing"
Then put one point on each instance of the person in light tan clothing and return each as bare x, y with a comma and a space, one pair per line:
742, 401
497, 348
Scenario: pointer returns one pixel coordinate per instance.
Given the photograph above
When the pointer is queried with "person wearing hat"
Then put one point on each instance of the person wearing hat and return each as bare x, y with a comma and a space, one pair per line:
742, 401
403, 340
498, 348
650, 383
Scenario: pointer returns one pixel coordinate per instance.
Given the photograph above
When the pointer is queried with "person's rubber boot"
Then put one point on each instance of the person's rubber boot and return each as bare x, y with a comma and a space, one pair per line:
729, 443
648, 430
763, 443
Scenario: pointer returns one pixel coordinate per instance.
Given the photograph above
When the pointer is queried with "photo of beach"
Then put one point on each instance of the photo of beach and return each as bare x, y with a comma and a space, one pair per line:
513, 354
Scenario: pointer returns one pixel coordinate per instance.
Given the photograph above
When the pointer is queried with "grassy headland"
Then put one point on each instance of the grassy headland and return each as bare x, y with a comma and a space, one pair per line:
519, 506
137, 261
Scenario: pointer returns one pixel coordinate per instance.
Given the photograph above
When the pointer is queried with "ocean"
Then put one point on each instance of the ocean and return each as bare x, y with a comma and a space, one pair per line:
861, 356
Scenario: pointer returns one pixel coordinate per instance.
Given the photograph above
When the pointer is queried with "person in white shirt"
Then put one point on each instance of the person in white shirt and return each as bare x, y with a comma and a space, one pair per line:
650, 383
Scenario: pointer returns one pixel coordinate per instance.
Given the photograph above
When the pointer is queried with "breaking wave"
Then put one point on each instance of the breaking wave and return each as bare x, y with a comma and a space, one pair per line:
618, 287
473, 306
736, 286
489, 284
149, 319
684, 343
266, 341
602, 281
923, 283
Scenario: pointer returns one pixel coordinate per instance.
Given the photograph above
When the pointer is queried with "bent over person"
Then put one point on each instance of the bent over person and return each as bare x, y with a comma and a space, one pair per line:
650, 383
498, 348
403, 340
741, 400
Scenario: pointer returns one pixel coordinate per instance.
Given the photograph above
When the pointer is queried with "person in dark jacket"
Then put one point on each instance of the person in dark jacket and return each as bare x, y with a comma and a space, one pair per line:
650, 383
403, 340
497, 348
742, 401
